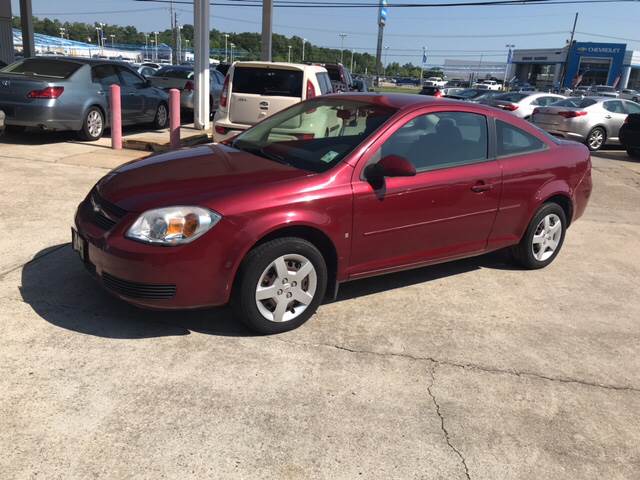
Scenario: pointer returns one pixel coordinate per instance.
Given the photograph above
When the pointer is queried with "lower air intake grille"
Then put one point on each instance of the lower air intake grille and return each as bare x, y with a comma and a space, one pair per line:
138, 290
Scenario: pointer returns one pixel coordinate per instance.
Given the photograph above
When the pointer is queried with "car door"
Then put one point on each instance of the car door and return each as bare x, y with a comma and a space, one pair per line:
445, 211
136, 103
104, 76
614, 118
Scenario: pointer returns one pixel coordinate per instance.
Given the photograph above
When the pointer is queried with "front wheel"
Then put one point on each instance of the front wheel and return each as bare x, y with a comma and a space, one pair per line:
633, 152
543, 239
280, 285
92, 125
596, 139
161, 119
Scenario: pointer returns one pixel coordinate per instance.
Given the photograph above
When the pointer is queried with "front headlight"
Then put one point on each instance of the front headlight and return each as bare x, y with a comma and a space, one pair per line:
172, 225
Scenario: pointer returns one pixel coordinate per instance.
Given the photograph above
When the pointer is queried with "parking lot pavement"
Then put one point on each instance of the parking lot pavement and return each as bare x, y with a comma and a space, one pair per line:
472, 369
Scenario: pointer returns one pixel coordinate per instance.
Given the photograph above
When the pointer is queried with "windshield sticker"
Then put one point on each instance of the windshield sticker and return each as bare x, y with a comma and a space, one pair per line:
329, 156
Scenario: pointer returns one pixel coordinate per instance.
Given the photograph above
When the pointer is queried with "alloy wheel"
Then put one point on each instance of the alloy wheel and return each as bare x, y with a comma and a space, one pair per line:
94, 123
546, 237
286, 288
596, 139
162, 115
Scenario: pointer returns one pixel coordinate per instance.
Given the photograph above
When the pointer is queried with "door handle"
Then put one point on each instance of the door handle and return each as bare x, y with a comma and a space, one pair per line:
607, 117
481, 187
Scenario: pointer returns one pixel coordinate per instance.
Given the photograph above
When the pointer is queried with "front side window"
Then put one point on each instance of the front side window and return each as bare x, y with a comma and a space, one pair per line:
514, 141
130, 79
614, 106
314, 135
632, 107
440, 140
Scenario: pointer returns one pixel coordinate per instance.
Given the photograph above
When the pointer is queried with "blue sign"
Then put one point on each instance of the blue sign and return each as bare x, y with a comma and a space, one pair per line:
382, 17
588, 56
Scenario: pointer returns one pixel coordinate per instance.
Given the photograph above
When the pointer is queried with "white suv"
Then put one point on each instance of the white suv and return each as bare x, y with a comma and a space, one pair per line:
253, 91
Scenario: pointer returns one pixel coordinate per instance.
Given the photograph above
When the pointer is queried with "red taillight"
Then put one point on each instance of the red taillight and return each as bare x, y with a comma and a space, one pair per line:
49, 92
572, 113
224, 95
626, 120
510, 107
221, 130
437, 93
188, 86
311, 90
304, 136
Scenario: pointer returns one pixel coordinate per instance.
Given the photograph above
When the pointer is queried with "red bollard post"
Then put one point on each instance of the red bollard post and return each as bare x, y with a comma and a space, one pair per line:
174, 117
116, 117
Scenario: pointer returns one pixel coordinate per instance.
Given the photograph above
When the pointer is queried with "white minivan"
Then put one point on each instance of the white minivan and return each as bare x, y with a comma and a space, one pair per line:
253, 91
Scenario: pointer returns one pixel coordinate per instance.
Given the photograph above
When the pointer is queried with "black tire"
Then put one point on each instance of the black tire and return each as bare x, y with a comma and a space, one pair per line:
91, 130
15, 129
594, 133
633, 152
161, 120
524, 252
243, 301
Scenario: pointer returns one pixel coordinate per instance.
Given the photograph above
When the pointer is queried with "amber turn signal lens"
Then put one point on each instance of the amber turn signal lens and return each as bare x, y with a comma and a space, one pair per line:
191, 222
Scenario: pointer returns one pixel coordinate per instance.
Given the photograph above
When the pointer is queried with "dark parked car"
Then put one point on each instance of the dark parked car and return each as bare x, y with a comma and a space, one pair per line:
68, 93
276, 218
340, 77
432, 91
474, 94
181, 77
630, 135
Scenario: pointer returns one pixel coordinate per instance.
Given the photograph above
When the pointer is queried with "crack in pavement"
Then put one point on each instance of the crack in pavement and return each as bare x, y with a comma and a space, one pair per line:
447, 438
469, 366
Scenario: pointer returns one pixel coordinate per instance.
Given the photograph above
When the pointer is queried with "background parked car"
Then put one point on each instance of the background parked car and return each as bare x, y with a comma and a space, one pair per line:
340, 76
630, 135
629, 94
434, 82
253, 91
488, 85
68, 93
181, 78
594, 121
360, 85
522, 104
472, 95
602, 91
432, 91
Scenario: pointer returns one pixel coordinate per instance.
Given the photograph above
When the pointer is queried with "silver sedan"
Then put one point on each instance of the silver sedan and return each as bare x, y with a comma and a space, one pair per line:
522, 104
181, 77
69, 93
594, 121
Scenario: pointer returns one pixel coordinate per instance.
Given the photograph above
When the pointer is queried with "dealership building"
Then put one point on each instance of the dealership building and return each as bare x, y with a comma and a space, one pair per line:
584, 63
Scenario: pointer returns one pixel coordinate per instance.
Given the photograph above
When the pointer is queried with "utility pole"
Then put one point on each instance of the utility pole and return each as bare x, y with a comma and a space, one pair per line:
569, 48
424, 54
146, 46
289, 56
351, 67
342, 36
304, 40
226, 55
382, 20
267, 30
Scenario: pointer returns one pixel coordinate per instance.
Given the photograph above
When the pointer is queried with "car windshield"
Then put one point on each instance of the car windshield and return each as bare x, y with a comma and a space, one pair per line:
575, 103
38, 67
511, 97
314, 135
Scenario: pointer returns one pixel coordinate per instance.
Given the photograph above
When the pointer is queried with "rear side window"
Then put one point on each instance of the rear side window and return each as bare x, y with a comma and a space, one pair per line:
514, 141
632, 107
105, 75
169, 72
43, 68
576, 102
325, 83
268, 81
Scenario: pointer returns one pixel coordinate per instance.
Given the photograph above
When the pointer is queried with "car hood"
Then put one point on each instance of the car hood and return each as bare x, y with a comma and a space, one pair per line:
197, 176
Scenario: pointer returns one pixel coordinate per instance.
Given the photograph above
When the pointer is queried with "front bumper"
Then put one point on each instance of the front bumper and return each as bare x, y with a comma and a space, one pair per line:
195, 275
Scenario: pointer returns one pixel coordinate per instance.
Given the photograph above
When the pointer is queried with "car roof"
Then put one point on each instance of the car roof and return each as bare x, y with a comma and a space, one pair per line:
405, 101
281, 65
82, 60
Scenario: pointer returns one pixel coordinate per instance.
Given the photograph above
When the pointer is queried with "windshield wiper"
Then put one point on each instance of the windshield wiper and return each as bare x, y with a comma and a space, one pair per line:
261, 153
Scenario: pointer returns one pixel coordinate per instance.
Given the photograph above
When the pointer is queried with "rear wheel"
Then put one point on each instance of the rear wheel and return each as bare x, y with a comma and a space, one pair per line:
543, 239
596, 139
92, 125
280, 285
162, 117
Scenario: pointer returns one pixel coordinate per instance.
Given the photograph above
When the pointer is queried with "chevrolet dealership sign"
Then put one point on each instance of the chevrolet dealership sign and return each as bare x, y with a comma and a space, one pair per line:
580, 52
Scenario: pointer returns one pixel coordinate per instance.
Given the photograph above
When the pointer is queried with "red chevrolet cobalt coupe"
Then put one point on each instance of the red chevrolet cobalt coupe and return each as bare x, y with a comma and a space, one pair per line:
330, 190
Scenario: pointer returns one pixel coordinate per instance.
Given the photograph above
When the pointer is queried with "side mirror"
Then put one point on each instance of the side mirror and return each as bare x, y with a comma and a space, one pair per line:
396, 166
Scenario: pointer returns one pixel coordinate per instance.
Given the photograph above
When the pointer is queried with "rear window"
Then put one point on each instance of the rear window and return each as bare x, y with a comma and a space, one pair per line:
511, 97
43, 68
575, 102
169, 72
268, 81
334, 73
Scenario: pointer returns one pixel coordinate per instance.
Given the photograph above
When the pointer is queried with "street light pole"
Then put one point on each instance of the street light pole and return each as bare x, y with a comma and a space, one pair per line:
289, 57
351, 67
226, 55
156, 37
146, 46
232, 47
113, 40
342, 36
304, 40
386, 50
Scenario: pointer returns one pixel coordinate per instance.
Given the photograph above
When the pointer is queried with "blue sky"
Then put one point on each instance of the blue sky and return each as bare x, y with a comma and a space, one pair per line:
447, 32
